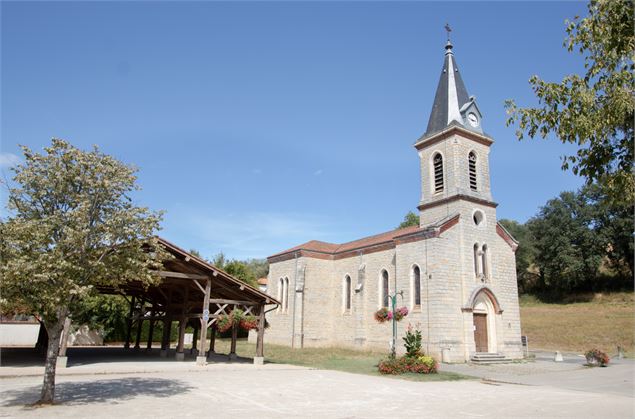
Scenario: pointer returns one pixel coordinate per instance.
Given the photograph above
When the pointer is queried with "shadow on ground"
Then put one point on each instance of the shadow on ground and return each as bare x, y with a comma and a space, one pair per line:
77, 356
99, 391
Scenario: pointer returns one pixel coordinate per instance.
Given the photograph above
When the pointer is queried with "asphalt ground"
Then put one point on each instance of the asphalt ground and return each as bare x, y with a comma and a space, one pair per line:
273, 393
153, 387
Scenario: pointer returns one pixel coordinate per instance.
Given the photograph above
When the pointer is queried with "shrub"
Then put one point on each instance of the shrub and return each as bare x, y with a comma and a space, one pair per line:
597, 357
390, 366
415, 364
412, 341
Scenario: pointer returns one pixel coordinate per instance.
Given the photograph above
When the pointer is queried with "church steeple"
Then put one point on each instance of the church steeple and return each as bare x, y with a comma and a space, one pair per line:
454, 151
451, 102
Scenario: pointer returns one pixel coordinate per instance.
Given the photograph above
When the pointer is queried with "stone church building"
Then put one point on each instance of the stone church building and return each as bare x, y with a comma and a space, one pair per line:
456, 270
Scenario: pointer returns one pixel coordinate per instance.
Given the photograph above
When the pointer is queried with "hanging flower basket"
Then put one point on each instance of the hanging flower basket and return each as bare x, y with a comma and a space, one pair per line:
400, 313
383, 315
224, 323
249, 323
237, 315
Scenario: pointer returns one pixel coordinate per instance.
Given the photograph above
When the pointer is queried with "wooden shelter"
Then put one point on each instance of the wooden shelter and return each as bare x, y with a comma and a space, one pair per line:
194, 292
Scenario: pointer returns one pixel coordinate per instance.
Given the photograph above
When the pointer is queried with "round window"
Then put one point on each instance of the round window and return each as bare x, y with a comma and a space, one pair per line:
478, 217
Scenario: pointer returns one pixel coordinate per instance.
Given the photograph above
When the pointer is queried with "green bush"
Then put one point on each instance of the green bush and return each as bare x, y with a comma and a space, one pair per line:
597, 357
412, 341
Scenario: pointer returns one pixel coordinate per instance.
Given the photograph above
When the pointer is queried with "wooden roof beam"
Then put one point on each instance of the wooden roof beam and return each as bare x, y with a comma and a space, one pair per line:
170, 274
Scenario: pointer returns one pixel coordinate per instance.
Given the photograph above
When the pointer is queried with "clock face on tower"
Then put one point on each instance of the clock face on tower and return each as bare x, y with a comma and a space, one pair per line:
472, 119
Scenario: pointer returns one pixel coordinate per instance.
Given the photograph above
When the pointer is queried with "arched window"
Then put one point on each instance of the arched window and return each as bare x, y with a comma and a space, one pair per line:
384, 288
281, 294
484, 262
472, 170
416, 287
347, 293
437, 162
476, 270
285, 298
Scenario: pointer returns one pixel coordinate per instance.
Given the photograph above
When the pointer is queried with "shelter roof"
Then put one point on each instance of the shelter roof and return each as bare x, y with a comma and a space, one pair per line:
185, 270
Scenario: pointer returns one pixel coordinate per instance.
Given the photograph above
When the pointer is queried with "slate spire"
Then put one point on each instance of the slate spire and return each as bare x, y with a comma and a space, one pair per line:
451, 95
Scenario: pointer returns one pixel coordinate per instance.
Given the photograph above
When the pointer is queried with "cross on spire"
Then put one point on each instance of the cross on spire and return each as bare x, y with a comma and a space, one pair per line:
448, 30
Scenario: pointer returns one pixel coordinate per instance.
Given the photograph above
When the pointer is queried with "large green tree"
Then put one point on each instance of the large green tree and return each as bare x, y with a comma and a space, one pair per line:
525, 254
594, 110
246, 271
409, 220
72, 227
568, 252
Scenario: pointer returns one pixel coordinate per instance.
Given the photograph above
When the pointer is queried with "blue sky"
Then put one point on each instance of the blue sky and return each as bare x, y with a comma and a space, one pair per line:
260, 125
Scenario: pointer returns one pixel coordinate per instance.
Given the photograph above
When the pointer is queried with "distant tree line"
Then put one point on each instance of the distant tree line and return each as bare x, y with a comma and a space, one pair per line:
248, 271
578, 242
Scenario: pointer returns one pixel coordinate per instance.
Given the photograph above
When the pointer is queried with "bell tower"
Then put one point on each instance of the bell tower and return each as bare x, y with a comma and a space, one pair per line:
454, 151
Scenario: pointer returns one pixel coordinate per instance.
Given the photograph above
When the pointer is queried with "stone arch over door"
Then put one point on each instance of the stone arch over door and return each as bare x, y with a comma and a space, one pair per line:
484, 307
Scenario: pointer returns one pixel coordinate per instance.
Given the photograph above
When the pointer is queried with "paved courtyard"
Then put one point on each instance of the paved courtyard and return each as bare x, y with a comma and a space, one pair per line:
244, 390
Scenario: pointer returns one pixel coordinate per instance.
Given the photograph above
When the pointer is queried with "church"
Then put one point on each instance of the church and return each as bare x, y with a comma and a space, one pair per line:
455, 272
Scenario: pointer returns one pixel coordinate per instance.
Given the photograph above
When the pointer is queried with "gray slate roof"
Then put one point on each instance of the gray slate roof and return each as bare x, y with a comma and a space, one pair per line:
439, 115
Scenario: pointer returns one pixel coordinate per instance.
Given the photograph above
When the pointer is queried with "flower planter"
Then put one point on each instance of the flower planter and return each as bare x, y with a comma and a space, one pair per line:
249, 323
595, 358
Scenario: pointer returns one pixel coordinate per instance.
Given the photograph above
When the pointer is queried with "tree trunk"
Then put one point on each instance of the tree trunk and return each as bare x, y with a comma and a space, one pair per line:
54, 330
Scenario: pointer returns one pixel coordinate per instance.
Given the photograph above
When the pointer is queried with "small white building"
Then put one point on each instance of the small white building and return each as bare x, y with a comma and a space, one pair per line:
456, 269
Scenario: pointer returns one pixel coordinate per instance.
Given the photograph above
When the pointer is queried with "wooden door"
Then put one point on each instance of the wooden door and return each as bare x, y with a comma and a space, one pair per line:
480, 332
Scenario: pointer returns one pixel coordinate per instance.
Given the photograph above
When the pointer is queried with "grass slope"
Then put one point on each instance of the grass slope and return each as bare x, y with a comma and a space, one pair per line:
601, 321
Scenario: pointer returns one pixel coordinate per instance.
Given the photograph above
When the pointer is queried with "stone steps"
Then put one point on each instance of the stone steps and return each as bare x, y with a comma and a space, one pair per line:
489, 358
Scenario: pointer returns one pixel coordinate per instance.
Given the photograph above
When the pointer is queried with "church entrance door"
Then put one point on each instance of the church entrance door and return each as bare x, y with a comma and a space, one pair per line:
480, 332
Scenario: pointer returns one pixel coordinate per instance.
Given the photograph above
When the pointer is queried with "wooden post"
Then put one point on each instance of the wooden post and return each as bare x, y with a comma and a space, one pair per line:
139, 327
65, 333
232, 351
260, 340
129, 329
151, 329
61, 356
165, 341
167, 325
194, 338
200, 359
212, 339
180, 355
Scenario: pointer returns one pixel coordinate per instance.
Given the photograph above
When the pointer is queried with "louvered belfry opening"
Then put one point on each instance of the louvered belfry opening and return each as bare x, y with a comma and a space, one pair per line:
438, 173
472, 168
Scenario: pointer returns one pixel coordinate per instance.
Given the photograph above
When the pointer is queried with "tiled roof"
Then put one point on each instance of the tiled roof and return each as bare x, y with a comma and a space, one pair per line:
332, 248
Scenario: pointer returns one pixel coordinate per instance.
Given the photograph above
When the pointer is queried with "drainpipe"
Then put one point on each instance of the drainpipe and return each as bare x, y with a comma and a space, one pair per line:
394, 301
428, 276
295, 278
302, 312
